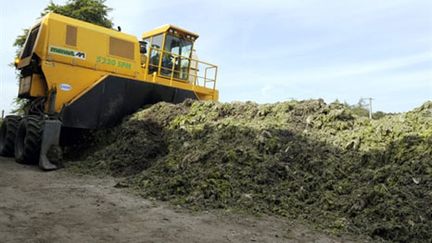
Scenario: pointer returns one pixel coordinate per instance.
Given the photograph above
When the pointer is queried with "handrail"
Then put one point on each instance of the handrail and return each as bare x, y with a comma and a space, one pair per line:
196, 73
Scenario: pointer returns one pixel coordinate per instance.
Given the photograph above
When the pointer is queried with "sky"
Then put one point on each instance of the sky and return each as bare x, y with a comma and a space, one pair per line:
276, 50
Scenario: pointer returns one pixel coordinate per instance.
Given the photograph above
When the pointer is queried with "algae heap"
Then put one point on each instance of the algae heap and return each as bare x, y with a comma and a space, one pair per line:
306, 160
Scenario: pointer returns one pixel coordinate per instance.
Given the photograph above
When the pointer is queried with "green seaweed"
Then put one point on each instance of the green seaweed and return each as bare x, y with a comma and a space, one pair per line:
305, 160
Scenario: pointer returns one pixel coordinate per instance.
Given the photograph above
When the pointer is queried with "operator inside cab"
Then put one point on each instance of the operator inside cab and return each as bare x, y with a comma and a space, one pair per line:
168, 52
143, 53
178, 50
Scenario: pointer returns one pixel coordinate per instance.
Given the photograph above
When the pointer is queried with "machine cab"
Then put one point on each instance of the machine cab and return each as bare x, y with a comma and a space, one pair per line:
167, 52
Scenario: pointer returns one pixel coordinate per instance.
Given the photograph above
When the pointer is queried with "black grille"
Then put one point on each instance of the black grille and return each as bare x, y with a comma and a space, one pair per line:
28, 48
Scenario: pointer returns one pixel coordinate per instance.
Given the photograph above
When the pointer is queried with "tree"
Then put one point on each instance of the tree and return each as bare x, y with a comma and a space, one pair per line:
93, 11
379, 114
360, 108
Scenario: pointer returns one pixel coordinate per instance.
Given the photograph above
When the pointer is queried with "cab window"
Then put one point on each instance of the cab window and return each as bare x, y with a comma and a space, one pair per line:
156, 46
178, 46
177, 53
144, 49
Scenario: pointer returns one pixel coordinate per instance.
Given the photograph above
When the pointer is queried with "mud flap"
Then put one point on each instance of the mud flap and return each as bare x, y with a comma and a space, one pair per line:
50, 139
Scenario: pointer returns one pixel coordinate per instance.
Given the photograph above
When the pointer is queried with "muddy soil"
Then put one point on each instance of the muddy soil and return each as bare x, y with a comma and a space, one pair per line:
59, 206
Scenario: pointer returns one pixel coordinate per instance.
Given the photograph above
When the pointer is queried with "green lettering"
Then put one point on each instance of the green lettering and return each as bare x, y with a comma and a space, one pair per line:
113, 62
62, 51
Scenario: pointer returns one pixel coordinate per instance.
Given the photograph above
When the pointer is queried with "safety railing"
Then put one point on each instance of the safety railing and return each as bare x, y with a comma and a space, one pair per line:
182, 69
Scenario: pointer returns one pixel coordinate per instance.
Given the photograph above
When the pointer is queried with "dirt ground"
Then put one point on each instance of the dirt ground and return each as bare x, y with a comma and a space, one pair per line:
59, 206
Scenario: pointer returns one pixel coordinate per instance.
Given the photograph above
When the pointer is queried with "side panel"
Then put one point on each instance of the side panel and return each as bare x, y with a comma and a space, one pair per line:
42, 41
114, 98
81, 44
69, 81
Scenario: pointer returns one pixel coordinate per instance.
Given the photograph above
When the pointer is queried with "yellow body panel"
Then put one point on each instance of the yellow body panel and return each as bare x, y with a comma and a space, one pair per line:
69, 81
75, 55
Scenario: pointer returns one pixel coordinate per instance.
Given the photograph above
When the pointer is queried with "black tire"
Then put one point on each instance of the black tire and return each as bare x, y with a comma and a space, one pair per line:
8, 131
28, 140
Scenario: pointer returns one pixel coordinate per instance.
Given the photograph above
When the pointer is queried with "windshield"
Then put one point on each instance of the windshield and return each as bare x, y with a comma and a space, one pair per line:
178, 46
30, 42
175, 60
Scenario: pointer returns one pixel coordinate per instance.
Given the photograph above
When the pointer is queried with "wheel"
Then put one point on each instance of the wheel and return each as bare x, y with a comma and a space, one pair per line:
28, 140
8, 131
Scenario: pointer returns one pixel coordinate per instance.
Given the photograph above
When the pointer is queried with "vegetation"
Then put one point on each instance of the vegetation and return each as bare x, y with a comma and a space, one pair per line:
362, 109
305, 160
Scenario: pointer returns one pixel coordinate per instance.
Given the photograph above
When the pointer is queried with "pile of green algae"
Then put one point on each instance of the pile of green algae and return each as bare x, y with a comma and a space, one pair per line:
306, 160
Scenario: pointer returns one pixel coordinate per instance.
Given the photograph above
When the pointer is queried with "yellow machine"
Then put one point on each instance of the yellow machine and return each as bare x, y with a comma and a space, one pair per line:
79, 75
